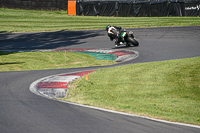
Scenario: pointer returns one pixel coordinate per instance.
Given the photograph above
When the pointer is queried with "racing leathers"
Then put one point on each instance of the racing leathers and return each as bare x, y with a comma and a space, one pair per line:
113, 33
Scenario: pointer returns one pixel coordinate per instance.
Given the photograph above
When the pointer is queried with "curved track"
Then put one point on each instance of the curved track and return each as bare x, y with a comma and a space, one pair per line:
22, 111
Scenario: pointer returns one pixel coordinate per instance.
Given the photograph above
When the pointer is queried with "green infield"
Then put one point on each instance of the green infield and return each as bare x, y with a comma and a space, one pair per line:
23, 61
14, 20
167, 90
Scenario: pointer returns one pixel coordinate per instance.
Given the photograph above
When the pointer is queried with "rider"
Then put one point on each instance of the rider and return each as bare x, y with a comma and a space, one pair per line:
113, 33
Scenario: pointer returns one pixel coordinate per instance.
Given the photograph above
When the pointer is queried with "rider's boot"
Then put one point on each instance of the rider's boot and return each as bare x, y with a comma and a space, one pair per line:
116, 44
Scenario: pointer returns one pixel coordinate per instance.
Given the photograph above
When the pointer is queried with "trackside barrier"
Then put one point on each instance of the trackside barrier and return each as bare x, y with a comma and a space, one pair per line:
121, 8
138, 8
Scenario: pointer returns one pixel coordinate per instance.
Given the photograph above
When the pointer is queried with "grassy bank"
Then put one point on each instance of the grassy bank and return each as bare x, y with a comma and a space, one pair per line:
167, 90
22, 61
13, 20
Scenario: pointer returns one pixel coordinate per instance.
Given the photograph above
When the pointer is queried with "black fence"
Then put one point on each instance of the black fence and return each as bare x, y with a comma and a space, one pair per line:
122, 8
138, 8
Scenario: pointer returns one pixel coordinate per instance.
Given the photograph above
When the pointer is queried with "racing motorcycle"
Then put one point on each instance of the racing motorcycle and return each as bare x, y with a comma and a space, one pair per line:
126, 38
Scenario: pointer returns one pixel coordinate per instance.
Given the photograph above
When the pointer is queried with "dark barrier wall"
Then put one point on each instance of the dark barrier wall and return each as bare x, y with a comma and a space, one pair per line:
130, 8
122, 8
192, 8
35, 4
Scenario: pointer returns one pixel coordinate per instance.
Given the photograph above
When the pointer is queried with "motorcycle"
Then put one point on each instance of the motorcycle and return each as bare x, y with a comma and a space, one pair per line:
126, 38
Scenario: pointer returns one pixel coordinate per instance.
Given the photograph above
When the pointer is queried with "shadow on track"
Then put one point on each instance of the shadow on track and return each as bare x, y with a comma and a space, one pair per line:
44, 40
124, 47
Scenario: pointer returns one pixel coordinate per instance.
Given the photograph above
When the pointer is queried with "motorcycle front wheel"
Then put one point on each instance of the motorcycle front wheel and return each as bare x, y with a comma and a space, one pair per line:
133, 41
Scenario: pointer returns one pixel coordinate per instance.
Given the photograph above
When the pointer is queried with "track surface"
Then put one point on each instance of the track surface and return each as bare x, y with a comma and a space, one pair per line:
22, 111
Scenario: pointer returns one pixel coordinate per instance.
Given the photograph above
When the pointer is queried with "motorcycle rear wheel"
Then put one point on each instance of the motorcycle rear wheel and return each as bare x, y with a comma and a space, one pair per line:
133, 41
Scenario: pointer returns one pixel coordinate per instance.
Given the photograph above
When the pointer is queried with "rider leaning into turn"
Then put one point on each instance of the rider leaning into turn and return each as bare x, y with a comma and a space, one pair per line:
113, 33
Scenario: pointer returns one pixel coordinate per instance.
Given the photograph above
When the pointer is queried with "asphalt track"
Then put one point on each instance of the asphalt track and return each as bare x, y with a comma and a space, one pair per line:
24, 112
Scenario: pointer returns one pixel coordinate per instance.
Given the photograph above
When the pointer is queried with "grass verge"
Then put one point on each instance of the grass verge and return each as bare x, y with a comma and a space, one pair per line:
167, 90
22, 61
14, 20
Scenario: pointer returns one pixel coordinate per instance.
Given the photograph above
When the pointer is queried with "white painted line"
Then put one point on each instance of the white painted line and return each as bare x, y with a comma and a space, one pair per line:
127, 114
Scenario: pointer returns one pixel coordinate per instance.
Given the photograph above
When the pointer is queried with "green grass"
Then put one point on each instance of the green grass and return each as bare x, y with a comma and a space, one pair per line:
23, 61
14, 20
167, 90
